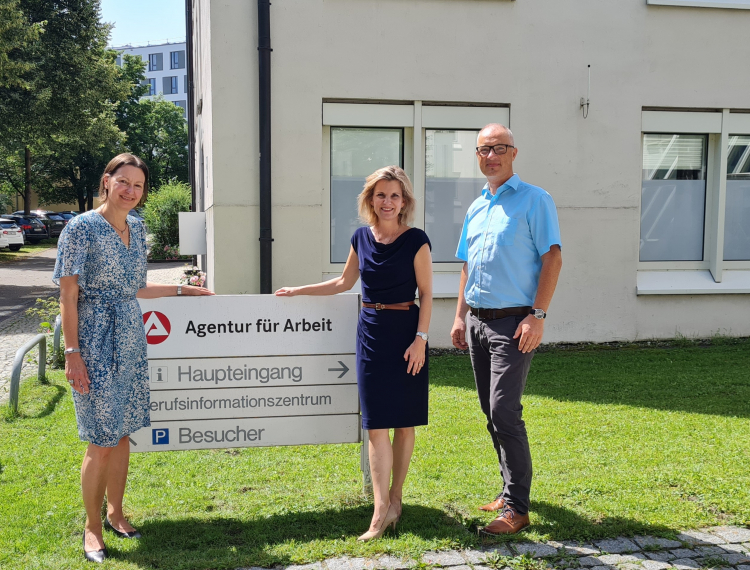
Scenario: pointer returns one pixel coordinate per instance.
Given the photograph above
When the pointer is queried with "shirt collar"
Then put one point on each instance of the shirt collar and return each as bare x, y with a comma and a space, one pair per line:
512, 182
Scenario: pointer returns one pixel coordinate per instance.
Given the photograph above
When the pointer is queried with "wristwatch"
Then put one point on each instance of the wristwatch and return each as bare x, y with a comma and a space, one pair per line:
423, 335
179, 290
71, 351
538, 314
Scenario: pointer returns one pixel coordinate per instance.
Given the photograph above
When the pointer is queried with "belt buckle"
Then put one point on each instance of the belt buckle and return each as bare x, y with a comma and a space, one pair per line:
379, 306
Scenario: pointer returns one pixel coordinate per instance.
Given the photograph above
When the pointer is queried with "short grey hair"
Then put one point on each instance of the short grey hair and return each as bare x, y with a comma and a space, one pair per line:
493, 126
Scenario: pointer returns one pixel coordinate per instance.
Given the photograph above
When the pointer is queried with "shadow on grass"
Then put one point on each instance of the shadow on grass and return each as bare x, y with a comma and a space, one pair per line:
708, 380
36, 400
230, 542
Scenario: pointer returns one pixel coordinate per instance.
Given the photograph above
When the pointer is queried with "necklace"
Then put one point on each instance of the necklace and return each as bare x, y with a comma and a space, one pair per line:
122, 231
386, 240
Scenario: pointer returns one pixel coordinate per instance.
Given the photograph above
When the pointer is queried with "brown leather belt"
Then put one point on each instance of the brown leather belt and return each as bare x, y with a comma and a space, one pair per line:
492, 314
393, 306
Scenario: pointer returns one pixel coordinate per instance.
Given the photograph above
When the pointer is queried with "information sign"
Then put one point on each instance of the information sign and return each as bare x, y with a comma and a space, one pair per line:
250, 370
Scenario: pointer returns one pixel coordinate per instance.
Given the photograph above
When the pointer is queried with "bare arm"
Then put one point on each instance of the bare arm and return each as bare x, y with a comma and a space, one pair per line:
336, 285
531, 329
75, 368
415, 354
458, 332
157, 290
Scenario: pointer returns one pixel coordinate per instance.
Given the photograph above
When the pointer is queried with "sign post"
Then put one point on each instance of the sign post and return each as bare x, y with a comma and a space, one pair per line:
250, 371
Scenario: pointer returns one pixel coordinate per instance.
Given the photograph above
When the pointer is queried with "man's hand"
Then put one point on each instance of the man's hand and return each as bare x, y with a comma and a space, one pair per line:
531, 331
458, 334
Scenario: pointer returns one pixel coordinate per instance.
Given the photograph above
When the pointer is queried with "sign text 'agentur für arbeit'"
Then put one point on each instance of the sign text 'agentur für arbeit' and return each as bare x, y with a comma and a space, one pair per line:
260, 326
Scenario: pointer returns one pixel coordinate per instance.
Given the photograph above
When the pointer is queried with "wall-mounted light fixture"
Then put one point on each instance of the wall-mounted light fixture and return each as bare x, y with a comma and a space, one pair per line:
585, 102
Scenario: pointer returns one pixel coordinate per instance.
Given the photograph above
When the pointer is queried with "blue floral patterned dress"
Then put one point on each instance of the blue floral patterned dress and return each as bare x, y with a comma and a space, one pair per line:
110, 325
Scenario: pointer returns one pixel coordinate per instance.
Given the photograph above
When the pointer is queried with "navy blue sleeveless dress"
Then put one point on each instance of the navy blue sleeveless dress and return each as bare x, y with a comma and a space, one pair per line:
389, 397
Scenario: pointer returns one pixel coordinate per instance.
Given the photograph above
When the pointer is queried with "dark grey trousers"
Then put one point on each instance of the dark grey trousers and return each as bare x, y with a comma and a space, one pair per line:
500, 371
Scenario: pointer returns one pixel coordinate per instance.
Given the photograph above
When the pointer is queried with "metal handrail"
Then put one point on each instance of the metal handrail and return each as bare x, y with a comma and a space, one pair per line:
15, 378
56, 341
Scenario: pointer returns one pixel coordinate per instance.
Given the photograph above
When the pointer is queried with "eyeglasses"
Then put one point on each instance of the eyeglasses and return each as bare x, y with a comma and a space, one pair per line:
498, 149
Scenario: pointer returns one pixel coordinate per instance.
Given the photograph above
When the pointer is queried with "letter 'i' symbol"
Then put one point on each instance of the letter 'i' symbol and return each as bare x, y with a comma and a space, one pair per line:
158, 375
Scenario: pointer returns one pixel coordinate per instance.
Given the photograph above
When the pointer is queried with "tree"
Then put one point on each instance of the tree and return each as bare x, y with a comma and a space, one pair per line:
71, 86
15, 34
160, 138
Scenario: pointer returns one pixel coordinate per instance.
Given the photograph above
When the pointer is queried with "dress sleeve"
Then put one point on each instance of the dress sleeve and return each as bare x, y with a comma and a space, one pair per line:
355, 240
421, 239
72, 252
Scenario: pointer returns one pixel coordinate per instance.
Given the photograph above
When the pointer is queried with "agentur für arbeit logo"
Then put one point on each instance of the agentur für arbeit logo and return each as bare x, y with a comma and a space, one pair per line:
157, 327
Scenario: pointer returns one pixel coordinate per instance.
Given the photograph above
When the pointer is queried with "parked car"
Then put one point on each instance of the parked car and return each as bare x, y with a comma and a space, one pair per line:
32, 227
54, 222
11, 233
67, 215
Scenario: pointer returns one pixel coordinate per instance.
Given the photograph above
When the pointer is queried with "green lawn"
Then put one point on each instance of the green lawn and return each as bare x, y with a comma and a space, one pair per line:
626, 441
27, 250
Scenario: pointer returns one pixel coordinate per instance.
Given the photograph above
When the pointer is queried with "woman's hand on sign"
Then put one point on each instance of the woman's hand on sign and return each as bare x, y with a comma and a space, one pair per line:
191, 290
286, 292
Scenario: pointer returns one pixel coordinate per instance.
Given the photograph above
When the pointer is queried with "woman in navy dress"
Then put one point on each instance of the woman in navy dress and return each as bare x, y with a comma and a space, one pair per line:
393, 261
101, 269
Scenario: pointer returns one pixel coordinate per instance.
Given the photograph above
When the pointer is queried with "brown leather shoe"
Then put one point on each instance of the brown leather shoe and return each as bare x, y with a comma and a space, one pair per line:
509, 522
496, 505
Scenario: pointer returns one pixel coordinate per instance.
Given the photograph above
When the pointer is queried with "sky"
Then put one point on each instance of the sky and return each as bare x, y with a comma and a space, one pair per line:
144, 21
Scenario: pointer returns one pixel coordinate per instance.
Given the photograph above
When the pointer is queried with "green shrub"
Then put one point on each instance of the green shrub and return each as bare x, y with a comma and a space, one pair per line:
161, 215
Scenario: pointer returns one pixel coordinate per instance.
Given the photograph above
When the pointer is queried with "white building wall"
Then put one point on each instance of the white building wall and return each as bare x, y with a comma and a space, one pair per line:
531, 56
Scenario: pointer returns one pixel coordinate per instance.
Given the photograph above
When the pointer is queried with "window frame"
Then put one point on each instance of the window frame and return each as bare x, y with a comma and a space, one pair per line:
718, 125
414, 117
730, 4
153, 62
151, 86
174, 85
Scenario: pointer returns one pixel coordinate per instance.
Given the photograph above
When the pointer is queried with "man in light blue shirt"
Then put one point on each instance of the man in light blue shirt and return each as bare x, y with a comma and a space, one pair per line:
510, 245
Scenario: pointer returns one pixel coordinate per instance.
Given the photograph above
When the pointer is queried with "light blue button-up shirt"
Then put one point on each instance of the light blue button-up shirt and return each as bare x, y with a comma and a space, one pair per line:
503, 240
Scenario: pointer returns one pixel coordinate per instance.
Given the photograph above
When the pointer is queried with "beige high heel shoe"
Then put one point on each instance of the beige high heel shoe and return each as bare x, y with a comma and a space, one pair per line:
391, 518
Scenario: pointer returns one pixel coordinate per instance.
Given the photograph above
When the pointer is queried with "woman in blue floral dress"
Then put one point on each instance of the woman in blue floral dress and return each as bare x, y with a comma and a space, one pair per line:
101, 269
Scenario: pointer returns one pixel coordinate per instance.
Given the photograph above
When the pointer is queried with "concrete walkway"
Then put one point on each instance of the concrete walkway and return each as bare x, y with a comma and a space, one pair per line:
21, 284
721, 547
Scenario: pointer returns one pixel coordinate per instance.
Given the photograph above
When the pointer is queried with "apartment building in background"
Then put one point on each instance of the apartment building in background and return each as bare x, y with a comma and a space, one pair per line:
166, 71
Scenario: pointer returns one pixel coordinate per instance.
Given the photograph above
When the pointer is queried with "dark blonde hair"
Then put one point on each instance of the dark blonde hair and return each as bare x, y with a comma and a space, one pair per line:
367, 212
124, 159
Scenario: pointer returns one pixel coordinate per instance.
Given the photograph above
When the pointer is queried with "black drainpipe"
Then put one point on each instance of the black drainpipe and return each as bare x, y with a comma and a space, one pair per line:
264, 131
190, 99
190, 111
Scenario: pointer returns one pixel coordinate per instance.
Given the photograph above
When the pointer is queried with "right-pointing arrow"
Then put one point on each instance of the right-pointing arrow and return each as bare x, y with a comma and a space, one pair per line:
343, 370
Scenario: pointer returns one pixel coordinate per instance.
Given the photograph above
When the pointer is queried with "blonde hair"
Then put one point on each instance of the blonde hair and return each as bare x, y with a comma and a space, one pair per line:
367, 213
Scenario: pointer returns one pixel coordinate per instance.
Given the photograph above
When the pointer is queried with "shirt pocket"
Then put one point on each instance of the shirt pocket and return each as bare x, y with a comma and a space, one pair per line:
505, 229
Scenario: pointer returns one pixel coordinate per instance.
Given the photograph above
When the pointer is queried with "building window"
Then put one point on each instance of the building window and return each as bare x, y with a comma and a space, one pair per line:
695, 202
152, 86
737, 216
452, 182
182, 105
355, 154
155, 62
173, 85
673, 197
177, 59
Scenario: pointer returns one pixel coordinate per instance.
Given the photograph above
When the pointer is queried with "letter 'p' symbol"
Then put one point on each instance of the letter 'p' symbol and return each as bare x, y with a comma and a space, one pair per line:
160, 436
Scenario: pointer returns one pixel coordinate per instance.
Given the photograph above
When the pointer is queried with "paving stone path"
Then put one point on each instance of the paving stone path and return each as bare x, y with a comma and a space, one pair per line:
17, 329
717, 548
